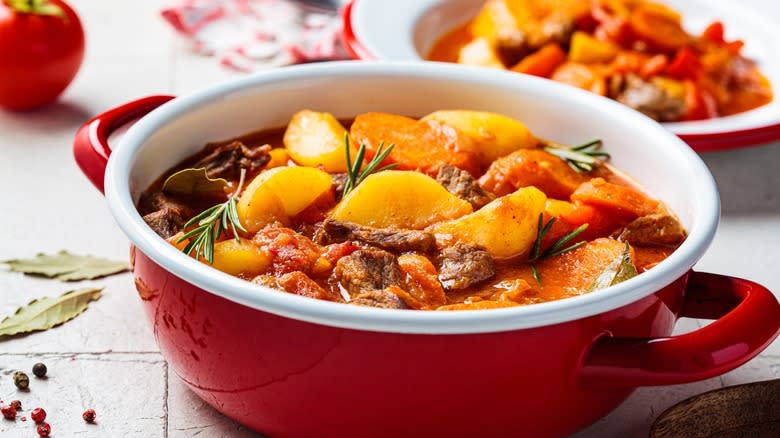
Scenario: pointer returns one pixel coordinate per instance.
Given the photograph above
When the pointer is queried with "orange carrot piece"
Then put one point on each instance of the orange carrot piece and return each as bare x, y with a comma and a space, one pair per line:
418, 145
660, 31
543, 62
622, 200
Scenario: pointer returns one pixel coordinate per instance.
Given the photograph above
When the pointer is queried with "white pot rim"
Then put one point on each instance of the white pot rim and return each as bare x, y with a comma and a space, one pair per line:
120, 202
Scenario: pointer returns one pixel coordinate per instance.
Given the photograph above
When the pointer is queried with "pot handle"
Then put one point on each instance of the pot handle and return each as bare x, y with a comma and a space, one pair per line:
90, 147
747, 320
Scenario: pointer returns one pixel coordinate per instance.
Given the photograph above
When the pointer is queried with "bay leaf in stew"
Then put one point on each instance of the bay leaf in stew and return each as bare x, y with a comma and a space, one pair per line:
194, 182
618, 271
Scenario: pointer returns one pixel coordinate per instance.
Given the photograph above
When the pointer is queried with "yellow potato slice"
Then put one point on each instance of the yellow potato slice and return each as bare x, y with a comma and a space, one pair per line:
401, 199
317, 139
588, 50
494, 135
506, 227
480, 52
240, 258
279, 193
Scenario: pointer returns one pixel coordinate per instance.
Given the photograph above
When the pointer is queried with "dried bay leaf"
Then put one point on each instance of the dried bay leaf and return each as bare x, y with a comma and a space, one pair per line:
189, 182
47, 312
64, 266
618, 271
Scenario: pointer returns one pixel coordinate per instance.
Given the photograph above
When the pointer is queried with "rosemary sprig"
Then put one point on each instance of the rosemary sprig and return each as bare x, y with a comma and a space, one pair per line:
556, 249
354, 175
581, 158
221, 217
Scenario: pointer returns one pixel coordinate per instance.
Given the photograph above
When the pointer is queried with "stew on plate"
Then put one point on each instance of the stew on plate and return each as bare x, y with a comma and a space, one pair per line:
456, 210
634, 51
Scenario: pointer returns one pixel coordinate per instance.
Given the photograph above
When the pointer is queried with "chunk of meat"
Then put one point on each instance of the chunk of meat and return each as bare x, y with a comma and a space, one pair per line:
422, 280
367, 270
163, 214
462, 265
391, 239
531, 167
383, 299
166, 222
300, 284
289, 250
339, 183
227, 160
653, 230
461, 184
651, 100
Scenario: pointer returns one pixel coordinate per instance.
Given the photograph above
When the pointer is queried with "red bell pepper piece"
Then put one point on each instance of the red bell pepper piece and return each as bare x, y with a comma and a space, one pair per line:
714, 33
685, 65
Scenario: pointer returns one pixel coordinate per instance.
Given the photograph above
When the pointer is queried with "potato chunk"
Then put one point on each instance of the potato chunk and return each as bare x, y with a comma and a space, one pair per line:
279, 193
400, 199
494, 135
242, 258
506, 227
480, 53
313, 139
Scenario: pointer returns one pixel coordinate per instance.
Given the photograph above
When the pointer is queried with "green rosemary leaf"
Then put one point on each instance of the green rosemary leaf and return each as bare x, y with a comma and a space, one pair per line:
535, 272
567, 238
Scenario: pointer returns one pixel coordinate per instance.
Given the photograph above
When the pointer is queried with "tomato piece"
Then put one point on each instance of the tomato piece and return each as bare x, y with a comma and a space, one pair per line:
543, 62
422, 280
40, 54
685, 65
298, 283
660, 31
701, 105
654, 66
714, 33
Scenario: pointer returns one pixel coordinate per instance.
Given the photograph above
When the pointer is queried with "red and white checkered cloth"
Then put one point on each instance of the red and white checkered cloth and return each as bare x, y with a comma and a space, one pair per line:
243, 34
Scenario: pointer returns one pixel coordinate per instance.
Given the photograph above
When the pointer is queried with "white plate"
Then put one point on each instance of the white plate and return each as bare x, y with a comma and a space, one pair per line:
405, 30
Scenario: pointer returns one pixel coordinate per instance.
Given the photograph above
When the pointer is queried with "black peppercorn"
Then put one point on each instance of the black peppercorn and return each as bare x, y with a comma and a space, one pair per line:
21, 380
39, 370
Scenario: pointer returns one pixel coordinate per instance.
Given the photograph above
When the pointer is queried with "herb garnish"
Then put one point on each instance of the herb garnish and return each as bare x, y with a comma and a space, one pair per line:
222, 217
354, 175
556, 249
581, 158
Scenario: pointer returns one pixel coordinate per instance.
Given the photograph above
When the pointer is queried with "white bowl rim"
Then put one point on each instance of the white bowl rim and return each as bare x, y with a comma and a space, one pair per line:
757, 126
120, 203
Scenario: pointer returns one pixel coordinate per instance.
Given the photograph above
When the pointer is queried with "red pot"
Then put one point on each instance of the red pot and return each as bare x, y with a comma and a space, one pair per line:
289, 366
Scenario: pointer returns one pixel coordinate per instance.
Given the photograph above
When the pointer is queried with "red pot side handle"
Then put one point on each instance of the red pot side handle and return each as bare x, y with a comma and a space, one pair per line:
90, 147
747, 320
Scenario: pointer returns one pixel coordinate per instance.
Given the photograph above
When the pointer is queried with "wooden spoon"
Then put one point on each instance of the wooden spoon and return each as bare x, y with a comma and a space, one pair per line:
751, 410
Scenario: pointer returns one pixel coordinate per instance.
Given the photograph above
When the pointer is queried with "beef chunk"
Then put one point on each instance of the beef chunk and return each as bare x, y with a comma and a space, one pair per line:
367, 270
391, 239
461, 266
383, 299
164, 214
166, 222
339, 183
461, 184
226, 161
650, 99
653, 230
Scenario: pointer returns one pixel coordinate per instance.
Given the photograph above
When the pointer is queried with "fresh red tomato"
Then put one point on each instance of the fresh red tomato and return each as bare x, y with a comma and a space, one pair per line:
41, 49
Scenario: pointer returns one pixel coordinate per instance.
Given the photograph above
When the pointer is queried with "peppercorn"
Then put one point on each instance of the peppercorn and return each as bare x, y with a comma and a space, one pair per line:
38, 415
9, 412
21, 380
16, 404
89, 415
44, 429
39, 370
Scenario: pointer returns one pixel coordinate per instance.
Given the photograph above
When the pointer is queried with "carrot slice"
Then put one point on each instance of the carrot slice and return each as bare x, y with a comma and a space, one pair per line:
424, 145
543, 62
662, 32
621, 200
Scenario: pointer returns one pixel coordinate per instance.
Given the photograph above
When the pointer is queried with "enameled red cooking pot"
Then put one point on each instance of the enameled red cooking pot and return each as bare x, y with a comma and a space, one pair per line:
290, 366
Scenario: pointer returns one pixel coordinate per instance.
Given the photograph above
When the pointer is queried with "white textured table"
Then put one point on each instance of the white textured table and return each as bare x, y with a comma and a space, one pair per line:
107, 359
